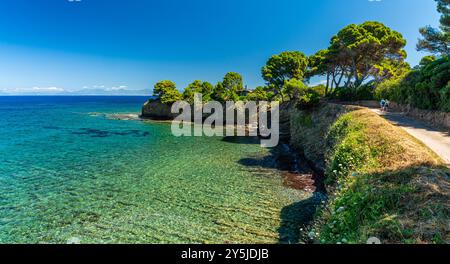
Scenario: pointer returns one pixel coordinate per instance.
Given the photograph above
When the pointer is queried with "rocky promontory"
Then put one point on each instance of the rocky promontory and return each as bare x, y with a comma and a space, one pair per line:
154, 109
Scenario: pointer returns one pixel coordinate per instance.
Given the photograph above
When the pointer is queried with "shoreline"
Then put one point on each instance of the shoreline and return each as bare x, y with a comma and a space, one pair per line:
295, 169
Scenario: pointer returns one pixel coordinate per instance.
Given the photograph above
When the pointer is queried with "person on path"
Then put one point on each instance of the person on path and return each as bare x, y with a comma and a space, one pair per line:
382, 104
386, 105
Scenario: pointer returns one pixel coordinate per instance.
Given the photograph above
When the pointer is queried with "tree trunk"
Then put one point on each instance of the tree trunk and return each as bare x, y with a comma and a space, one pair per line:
340, 78
328, 84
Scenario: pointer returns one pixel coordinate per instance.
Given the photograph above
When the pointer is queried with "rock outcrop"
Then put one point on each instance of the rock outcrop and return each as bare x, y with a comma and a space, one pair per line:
154, 109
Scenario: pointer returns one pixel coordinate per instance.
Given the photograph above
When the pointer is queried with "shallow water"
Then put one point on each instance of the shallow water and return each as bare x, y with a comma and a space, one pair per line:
67, 172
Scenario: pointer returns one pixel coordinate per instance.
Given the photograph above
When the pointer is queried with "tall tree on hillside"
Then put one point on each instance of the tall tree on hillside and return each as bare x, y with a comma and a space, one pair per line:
359, 53
435, 40
192, 89
167, 92
427, 60
229, 89
219, 93
388, 69
329, 64
198, 87
207, 90
259, 94
360, 48
283, 67
233, 82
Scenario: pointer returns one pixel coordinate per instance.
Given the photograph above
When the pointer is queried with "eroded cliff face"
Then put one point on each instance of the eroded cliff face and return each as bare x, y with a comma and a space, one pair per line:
159, 111
308, 130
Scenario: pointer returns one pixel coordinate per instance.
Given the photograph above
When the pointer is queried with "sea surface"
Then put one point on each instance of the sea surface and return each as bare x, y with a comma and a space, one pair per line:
69, 173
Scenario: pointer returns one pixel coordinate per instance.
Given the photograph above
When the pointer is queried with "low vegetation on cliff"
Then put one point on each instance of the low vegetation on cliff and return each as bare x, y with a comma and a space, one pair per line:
382, 182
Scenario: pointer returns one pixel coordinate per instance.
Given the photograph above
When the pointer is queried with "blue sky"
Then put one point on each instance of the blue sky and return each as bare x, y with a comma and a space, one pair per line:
52, 46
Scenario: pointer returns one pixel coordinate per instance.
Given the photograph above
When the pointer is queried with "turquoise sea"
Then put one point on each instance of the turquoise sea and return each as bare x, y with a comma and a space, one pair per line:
67, 172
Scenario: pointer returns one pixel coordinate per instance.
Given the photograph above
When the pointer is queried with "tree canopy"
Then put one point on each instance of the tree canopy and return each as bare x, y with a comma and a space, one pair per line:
230, 88
283, 67
167, 92
233, 82
426, 87
306, 97
359, 53
427, 59
259, 94
205, 88
437, 40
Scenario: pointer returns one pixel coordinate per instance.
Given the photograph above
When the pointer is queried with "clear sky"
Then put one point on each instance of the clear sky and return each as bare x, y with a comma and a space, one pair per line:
65, 45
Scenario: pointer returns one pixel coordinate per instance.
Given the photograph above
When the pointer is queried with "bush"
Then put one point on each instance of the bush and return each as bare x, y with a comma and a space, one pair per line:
349, 151
319, 89
426, 87
445, 98
305, 97
259, 94
364, 92
310, 98
388, 89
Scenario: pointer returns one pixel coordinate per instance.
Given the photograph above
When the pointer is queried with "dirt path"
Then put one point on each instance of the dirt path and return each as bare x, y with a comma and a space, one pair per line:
436, 140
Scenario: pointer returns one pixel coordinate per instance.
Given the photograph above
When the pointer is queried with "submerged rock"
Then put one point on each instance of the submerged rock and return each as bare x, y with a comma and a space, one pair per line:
123, 116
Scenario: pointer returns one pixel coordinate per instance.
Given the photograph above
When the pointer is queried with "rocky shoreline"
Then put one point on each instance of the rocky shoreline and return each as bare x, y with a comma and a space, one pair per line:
298, 172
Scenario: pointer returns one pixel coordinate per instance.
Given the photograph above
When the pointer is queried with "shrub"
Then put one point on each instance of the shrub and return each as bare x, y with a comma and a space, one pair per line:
294, 89
305, 97
445, 98
349, 151
308, 99
426, 87
364, 92
319, 89
387, 89
259, 94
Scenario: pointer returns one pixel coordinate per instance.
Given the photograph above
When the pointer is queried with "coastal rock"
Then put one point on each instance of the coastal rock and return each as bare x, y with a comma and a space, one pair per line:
154, 109
123, 116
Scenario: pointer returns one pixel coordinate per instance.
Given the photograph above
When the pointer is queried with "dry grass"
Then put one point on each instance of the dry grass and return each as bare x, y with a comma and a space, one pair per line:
402, 191
399, 149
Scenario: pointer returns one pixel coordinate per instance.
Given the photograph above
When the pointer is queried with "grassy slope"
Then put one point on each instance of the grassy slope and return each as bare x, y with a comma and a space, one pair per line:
382, 181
